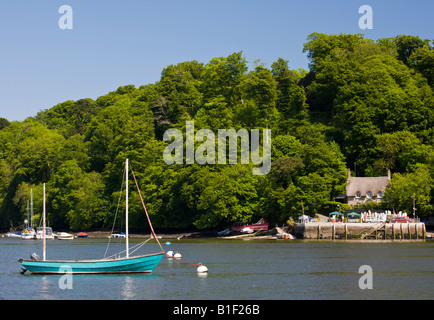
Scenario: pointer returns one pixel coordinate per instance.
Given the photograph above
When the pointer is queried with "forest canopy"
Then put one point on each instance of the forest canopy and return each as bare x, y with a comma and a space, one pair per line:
363, 104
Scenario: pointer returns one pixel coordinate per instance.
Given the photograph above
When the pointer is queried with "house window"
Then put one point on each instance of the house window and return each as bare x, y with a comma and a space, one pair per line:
358, 194
369, 195
380, 195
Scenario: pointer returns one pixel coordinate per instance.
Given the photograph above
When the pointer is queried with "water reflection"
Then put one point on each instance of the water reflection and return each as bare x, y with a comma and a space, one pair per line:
46, 290
128, 291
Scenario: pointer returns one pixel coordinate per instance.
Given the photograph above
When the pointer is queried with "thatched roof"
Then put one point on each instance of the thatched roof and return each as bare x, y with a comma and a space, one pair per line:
365, 184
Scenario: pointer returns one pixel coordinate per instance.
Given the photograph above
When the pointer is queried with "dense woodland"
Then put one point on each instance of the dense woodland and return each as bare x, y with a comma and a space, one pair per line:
363, 104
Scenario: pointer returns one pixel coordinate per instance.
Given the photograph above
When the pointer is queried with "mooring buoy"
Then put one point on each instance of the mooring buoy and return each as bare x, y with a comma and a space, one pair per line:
202, 268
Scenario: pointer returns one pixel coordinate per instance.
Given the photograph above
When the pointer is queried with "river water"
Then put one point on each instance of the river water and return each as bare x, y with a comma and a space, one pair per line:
238, 270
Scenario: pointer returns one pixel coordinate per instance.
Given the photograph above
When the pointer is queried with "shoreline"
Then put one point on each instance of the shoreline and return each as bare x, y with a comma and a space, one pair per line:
277, 233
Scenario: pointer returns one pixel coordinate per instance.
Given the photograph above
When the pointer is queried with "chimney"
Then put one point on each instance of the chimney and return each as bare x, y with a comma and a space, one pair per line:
388, 174
349, 174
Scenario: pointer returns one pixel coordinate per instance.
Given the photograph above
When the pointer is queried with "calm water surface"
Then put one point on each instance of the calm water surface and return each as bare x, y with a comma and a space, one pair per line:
297, 269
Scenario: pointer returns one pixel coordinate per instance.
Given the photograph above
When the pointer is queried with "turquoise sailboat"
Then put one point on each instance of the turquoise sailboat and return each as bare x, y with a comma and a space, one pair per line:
127, 264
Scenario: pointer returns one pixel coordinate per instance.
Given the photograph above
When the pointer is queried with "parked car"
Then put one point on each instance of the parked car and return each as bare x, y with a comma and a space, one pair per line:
400, 220
371, 219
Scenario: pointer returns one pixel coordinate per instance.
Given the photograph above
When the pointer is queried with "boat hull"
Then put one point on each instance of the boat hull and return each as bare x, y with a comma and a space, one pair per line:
137, 264
28, 236
39, 237
262, 226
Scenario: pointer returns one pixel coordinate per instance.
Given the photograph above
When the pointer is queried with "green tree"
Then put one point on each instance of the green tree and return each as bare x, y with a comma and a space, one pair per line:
260, 87
407, 45
180, 89
291, 98
4, 123
226, 195
222, 77
214, 115
400, 151
368, 92
320, 46
307, 169
417, 183
76, 198
103, 130
422, 60
36, 150
69, 117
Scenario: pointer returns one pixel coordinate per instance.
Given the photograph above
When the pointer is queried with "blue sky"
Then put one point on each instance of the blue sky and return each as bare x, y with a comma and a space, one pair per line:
115, 43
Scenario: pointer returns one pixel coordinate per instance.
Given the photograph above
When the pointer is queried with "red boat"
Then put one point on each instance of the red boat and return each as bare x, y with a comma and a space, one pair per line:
262, 224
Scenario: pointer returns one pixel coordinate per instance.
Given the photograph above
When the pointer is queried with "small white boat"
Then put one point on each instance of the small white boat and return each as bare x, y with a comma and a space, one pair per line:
15, 234
64, 236
48, 233
118, 235
28, 234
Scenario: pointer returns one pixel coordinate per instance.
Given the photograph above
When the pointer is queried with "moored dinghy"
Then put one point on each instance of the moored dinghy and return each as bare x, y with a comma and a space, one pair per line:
126, 264
118, 235
64, 236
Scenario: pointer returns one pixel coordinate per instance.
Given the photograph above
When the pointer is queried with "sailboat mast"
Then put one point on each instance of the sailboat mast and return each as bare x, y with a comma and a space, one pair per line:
31, 208
126, 209
28, 214
43, 224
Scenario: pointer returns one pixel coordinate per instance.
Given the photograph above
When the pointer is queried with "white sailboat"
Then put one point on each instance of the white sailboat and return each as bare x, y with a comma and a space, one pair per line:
29, 233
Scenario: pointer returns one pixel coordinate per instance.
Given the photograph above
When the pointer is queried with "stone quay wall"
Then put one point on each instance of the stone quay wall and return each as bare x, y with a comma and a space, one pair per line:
331, 230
